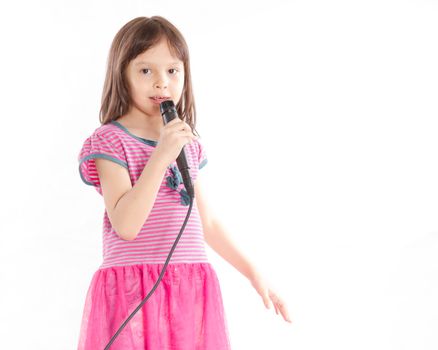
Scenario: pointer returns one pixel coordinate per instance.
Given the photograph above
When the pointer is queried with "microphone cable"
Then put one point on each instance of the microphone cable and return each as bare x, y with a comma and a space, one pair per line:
168, 112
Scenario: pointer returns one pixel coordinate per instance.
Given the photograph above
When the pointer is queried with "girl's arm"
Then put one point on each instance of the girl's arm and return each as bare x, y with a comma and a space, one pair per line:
128, 206
219, 239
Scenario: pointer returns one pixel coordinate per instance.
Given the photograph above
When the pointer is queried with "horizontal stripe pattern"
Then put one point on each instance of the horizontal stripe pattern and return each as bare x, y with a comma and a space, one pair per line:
158, 234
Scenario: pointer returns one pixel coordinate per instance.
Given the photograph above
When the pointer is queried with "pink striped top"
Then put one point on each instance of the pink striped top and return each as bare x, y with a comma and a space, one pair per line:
114, 142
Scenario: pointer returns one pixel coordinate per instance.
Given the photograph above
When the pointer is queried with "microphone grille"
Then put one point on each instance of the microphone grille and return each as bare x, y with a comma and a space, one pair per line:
166, 105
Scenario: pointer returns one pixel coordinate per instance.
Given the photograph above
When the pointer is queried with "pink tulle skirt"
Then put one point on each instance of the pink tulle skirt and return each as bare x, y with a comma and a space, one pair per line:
185, 312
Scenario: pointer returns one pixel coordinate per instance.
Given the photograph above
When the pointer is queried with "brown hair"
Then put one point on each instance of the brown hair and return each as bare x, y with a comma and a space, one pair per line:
132, 39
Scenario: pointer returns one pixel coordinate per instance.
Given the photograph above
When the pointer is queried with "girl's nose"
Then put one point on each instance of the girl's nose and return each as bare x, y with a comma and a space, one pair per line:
161, 83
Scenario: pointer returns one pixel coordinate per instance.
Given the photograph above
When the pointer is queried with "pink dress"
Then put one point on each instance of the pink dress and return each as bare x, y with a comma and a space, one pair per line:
186, 311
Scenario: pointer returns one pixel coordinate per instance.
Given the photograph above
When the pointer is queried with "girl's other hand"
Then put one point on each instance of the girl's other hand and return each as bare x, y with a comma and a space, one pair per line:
173, 137
268, 295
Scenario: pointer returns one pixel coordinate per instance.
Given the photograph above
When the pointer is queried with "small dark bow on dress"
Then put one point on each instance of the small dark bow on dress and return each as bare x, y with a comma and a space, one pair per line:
174, 180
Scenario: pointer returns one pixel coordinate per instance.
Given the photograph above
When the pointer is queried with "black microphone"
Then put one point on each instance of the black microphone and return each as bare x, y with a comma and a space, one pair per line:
168, 112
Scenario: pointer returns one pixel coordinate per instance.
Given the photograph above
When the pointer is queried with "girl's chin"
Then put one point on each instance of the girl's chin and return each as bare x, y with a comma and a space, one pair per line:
156, 113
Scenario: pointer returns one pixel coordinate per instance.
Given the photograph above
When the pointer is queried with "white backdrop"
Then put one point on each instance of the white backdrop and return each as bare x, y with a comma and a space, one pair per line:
318, 118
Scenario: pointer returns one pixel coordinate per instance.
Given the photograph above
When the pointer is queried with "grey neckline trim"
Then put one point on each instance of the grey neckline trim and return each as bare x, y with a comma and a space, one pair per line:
146, 141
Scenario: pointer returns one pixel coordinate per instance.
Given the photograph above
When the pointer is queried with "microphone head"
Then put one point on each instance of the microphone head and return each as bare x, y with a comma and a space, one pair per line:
166, 105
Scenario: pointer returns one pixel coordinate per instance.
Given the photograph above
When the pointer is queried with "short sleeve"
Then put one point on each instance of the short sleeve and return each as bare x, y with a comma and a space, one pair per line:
98, 146
202, 155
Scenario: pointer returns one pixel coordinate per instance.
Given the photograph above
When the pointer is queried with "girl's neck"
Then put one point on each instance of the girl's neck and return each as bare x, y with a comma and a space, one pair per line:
144, 126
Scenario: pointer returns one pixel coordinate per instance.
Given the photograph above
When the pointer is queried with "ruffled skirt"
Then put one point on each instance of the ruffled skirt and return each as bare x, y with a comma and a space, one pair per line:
185, 312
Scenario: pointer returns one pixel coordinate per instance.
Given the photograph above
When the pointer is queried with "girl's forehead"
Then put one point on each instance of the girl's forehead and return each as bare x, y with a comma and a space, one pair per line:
162, 48
157, 54
156, 60
171, 62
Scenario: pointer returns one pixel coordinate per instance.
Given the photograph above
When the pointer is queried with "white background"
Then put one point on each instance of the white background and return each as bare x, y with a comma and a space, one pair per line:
318, 119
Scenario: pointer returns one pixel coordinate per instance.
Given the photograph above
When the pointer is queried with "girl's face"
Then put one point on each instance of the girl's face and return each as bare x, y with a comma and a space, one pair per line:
154, 72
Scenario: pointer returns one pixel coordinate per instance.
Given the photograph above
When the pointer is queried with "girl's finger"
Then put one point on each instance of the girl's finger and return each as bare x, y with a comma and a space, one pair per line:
287, 318
285, 313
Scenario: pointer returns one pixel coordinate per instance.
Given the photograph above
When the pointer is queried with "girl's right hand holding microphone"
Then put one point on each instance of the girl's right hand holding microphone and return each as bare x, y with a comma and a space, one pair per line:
173, 137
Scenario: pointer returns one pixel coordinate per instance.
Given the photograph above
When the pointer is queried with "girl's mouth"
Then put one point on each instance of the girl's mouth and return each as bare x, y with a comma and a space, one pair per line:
158, 100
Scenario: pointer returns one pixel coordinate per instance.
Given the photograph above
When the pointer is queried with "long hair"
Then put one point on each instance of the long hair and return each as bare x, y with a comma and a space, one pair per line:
132, 39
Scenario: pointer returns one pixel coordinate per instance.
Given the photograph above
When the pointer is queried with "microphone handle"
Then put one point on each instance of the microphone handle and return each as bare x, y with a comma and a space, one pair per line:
168, 115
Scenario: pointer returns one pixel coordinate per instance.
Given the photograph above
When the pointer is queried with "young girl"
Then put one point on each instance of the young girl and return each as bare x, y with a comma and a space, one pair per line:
131, 161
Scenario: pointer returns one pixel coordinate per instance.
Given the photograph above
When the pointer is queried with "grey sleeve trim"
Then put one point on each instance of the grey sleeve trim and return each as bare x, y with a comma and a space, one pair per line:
201, 165
99, 155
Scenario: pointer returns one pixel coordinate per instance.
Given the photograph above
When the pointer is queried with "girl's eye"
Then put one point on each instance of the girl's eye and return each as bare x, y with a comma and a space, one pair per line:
148, 69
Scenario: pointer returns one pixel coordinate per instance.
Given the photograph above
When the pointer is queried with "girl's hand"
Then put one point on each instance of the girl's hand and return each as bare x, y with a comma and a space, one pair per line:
173, 137
268, 294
